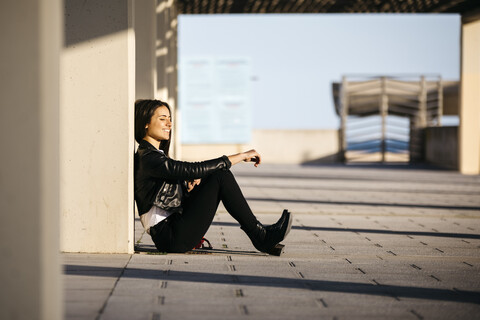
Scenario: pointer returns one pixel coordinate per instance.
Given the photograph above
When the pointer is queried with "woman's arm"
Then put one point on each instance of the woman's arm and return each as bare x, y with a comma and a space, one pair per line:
156, 164
247, 156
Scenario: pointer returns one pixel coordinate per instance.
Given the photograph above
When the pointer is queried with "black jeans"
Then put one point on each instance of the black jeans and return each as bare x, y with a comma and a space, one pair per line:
182, 232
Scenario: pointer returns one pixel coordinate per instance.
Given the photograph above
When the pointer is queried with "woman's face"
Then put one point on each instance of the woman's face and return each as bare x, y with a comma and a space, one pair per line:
160, 125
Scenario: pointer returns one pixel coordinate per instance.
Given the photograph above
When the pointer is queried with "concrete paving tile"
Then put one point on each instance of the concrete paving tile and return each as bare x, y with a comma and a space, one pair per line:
85, 295
144, 309
83, 308
146, 258
440, 309
131, 287
96, 258
339, 301
92, 283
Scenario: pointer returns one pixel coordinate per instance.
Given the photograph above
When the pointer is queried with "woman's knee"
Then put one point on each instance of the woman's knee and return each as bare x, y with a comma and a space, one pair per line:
218, 177
222, 174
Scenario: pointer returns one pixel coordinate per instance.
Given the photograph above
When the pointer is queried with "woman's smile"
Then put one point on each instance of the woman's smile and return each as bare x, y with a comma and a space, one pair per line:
159, 127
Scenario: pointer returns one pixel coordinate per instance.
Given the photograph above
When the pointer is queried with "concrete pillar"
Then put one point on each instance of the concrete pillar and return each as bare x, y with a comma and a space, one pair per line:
96, 127
384, 114
343, 119
29, 238
166, 54
145, 49
469, 135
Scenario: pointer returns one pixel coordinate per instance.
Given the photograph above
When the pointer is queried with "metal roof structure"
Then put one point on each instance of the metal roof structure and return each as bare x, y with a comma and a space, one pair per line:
326, 6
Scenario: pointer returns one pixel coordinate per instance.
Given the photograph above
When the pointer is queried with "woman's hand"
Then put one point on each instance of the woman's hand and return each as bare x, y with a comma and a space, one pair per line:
247, 156
192, 183
252, 156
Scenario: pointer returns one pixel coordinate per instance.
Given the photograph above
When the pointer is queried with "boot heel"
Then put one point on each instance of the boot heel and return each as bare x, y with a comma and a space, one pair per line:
277, 250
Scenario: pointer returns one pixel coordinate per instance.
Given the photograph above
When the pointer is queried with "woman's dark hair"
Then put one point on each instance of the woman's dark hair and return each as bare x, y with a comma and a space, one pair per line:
144, 110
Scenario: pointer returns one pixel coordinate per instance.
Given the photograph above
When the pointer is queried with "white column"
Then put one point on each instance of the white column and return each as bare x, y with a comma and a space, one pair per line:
469, 131
145, 49
96, 127
166, 53
29, 238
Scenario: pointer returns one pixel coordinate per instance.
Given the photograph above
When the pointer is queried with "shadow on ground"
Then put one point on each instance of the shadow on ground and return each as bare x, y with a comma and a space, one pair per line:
151, 249
377, 231
351, 203
261, 281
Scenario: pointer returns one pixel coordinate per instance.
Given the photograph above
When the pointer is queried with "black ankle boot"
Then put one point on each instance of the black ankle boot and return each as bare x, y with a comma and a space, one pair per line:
267, 238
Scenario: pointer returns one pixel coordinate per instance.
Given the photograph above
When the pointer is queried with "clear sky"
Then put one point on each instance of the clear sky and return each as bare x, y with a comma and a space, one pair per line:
295, 58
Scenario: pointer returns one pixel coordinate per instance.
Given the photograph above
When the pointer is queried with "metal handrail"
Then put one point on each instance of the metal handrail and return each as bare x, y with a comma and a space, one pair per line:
417, 98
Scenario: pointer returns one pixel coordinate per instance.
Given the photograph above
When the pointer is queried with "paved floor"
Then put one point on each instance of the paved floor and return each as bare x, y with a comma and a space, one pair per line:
367, 242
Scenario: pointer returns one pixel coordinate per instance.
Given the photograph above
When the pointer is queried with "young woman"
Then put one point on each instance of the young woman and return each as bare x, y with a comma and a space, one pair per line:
177, 200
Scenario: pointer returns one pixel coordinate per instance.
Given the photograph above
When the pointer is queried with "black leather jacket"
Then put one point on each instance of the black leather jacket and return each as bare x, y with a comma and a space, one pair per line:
159, 180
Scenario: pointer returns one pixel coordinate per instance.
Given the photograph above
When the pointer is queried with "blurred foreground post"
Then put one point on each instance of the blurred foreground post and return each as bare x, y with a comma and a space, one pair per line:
29, 181
469, 136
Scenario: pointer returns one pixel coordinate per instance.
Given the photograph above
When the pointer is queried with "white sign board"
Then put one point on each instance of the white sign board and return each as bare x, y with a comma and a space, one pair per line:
214, 100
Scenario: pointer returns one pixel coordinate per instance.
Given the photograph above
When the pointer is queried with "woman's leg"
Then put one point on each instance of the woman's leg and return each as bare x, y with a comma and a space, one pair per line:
200, 206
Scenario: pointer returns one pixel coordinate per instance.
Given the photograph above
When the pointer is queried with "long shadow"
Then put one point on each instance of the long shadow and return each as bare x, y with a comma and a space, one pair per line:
93, 20
151, 249
405, 166
346, 203
463, 181
277, 282
383, 190
389, 232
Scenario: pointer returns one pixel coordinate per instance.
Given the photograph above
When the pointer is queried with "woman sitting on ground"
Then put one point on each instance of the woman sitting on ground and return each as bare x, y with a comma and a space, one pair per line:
177, 200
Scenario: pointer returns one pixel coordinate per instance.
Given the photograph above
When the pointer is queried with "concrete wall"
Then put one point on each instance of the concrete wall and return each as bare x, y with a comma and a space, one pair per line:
145, 48
155, 27
469, 135
29, 238
450, 98
96, 127
441, 146
166, 62
276, 146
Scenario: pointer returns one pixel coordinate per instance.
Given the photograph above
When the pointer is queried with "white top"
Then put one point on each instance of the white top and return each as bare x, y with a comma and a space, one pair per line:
152, 217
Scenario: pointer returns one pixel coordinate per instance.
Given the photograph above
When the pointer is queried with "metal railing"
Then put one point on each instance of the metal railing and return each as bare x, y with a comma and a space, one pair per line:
385, 115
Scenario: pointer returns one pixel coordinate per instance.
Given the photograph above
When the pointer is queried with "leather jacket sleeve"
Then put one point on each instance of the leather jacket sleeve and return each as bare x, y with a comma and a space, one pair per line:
158, 165
154, 172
